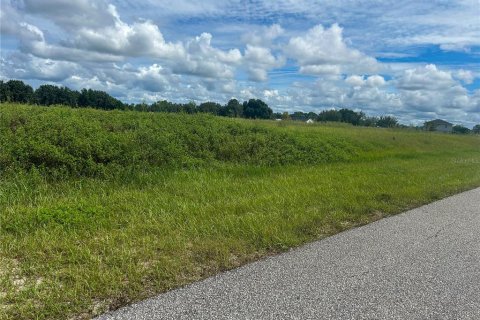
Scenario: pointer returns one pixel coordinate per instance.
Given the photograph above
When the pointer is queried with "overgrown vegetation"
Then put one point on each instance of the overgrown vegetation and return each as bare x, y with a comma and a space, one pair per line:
99, 209
91, 143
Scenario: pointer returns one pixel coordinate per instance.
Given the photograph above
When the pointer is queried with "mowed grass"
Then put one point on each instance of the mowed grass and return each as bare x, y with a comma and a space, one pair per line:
81, 237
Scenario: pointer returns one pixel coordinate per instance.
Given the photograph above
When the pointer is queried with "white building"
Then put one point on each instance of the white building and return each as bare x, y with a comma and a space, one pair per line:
438, 125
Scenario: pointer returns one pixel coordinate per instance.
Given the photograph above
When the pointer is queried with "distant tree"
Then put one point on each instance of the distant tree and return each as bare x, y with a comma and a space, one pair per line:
233, 109
256, 109
312, 115
350, 116
286, 116
330, 115
5, 95
143, 107
47, 95
476, 129
276, 115
98, 99
190, 107
369, 121
298, 116
210, 107
458, 129
161, 106
387, 122
17, 91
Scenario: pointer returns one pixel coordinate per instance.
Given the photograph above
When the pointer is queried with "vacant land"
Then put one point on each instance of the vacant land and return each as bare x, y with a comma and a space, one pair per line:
99, 209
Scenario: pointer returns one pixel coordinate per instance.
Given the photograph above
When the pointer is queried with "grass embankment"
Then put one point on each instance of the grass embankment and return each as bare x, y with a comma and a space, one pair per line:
99, 209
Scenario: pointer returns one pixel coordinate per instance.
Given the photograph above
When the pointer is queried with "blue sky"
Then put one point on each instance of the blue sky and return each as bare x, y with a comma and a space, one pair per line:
416, 60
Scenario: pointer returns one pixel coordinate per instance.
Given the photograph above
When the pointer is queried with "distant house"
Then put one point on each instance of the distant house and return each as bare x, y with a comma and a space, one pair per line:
438, 125
309, 121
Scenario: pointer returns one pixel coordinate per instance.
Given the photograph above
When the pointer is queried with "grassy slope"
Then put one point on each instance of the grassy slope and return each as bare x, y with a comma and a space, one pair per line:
101, 233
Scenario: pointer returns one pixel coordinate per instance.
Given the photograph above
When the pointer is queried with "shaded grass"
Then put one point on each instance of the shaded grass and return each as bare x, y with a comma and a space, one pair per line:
131, 239
75, 244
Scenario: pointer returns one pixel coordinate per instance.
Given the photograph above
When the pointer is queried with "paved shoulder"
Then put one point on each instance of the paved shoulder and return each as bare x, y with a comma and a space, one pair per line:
422, 264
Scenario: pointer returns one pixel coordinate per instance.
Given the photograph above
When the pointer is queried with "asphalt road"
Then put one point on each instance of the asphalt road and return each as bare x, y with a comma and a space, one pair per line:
422, 264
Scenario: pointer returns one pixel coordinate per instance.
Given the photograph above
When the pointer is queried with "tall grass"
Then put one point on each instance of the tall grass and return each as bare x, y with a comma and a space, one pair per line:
87, 142
99, 209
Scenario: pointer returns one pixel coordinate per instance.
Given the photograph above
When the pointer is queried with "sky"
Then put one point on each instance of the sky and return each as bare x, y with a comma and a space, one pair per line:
416, 60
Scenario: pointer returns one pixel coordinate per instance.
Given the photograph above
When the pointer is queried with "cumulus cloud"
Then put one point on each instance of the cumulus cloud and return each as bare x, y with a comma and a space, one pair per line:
425, 78
22, 66
152, 78
430, 89
324, 51
259, 60
11, 24
360, 81
119, 38
96, 33
202, 59
466, 76
264, 36
72, 14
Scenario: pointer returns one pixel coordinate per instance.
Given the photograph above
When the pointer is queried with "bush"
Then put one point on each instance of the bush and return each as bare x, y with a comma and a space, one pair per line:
86, 142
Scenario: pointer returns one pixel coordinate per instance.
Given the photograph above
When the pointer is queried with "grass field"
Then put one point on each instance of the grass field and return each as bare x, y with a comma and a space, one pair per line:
99, 209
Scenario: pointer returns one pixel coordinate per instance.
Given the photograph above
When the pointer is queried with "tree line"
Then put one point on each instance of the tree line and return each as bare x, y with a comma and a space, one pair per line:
343, 115
46, 95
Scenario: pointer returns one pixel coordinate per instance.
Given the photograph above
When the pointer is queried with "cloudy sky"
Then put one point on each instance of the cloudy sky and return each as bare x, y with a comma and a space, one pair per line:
416, 60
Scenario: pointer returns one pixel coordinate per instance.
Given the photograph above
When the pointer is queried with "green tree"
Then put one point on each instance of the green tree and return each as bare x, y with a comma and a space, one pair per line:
256, 109
330, 115
458, 129
19, 91
312, 115
5, 95
210, 107
476, 129
286, 116
350, 116
47, 95
387, 122
369, 121
299, 116
99, 100
233, 109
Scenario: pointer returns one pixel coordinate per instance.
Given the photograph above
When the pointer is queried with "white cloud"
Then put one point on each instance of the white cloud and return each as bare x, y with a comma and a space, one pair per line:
360, 81
425, 78
107, 38
264, 36
375, 81
355, 81
321, 69
71, 14
466, 76
259, 60
152, 78
138, 39
322, 51
430, 89
11, 24
21, 66
202, 59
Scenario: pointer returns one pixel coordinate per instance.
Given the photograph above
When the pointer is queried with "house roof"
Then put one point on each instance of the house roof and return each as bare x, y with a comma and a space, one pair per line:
437, 122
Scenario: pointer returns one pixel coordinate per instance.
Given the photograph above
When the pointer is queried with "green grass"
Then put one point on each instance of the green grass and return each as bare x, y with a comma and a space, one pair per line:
91, 220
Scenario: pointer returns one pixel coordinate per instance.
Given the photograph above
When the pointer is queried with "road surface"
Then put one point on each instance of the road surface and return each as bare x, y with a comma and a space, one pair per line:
421, 264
